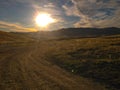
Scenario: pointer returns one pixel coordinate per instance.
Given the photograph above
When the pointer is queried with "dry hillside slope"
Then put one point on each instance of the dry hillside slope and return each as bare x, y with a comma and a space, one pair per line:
25, 68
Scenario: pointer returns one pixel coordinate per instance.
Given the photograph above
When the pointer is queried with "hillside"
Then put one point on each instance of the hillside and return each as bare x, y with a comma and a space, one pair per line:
89, 32
29, 67
95, 58
76, 33
5, 36
59, 34
60, 60
9, 37
61, 64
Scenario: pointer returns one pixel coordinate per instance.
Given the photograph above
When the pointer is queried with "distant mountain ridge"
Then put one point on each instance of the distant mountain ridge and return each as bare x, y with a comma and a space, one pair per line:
62, 33
79, 32
86, 32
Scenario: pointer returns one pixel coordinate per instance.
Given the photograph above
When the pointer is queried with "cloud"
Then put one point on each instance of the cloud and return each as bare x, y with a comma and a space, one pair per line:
113, 21
37, 6
77, 13
49, 5
95, 13
15, 27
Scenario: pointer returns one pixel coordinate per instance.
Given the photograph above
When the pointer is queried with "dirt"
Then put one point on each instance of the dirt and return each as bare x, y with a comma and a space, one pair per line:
26, 68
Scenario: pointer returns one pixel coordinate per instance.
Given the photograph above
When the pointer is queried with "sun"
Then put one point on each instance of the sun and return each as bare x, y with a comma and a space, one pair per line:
44, 19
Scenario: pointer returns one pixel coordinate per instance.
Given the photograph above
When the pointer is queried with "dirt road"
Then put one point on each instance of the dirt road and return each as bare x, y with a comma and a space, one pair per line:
26, 68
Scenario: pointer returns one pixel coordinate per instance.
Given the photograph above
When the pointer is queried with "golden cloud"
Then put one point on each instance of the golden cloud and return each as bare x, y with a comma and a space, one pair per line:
6, 26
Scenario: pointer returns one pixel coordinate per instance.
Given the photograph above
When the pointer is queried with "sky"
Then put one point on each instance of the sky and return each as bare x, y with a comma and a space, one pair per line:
19, 15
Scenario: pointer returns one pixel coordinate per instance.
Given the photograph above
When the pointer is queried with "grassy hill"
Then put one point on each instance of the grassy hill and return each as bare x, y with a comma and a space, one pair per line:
95, 58
9, 37
5, 36
77, 33
59, 34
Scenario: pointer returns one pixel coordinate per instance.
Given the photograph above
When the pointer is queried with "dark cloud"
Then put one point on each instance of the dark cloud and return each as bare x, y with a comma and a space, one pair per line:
93, 11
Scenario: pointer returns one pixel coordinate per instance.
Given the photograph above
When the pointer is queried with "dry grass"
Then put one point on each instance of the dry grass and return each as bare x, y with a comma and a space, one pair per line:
33, 65
94, 58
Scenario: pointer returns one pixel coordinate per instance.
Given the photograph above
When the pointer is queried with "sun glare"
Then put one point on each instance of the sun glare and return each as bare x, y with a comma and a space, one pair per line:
44, 19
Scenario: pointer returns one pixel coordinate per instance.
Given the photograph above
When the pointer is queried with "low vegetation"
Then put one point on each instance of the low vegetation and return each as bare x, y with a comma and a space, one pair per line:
95, 58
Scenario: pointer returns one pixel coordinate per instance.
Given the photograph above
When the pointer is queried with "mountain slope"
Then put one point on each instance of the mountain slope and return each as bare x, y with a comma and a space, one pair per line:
6, 37
77, 32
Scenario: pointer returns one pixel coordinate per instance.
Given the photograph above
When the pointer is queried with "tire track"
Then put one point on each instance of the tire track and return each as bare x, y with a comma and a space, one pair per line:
27, 69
